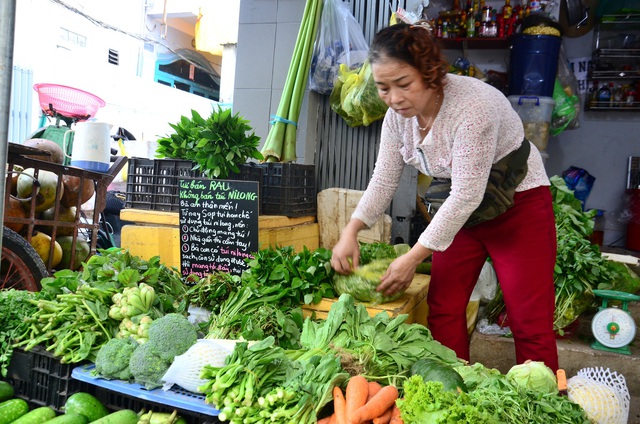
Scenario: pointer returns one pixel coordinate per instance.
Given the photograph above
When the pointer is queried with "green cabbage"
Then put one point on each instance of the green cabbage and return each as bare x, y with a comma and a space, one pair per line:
362, 283
533, 375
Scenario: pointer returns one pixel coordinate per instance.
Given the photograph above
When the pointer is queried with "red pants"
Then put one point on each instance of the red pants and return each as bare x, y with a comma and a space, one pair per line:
522, 245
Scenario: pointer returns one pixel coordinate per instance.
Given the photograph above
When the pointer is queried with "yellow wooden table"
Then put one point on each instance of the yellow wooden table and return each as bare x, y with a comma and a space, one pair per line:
413, 303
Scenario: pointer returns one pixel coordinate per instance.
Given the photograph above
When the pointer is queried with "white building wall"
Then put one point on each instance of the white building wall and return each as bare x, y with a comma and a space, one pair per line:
133, 100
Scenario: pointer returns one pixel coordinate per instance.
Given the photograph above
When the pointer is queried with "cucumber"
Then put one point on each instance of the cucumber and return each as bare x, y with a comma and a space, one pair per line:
36, 416
6, 391
11, 410
68, 419
85, 404
123, 416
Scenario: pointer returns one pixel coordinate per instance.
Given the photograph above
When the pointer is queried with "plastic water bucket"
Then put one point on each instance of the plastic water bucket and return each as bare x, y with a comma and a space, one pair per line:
536, 113
533, 64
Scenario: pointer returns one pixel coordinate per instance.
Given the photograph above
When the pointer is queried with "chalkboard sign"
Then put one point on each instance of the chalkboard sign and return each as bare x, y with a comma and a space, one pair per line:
218, 225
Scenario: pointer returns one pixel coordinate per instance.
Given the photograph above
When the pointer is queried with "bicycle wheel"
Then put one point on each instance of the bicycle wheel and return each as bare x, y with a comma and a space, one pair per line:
20, 267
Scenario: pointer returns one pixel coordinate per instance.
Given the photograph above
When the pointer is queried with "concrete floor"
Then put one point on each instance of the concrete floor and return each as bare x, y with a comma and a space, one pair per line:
575, 353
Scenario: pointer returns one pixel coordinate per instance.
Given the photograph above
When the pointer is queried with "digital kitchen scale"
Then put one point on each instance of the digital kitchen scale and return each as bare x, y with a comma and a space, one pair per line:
613, 326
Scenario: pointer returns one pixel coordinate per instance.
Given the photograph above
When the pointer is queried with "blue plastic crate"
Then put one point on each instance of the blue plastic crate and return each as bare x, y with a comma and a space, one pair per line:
118, 394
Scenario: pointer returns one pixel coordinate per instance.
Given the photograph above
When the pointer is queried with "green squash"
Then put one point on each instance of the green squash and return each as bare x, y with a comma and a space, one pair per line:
85, 404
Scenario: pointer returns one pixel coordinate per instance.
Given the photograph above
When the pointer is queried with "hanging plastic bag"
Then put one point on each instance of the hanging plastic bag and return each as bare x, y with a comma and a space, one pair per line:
566, 97
339, 41
355, 97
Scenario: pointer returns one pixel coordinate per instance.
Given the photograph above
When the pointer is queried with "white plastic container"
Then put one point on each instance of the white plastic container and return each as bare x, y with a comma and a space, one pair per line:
535, 113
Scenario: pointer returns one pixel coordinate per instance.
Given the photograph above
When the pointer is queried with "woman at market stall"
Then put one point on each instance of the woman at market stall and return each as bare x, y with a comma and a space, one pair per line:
464, 130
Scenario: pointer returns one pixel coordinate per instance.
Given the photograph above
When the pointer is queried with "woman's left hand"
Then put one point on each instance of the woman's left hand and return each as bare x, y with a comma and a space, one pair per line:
400, 273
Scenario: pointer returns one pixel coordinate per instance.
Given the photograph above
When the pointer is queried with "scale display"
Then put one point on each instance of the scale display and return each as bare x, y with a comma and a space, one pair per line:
613, 327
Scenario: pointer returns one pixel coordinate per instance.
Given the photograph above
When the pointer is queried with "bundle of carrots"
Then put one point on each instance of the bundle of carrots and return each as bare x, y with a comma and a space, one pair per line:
364, 402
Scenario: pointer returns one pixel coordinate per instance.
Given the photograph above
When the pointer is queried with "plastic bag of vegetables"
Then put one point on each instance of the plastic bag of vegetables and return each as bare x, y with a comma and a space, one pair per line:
362, 283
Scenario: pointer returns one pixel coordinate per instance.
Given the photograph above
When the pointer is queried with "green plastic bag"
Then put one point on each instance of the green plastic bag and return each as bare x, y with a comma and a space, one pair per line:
565, 110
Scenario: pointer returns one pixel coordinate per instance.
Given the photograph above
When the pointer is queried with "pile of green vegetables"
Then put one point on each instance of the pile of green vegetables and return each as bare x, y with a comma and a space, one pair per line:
270, 383
520, 396
267, 300
15, 307
72, 317
580, 266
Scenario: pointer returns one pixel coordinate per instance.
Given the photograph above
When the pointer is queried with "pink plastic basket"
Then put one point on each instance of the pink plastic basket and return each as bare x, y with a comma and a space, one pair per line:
67, 101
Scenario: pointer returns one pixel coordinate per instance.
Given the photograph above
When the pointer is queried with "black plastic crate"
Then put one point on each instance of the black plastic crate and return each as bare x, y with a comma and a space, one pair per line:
153, 183
115, 401
42, 380
289, 189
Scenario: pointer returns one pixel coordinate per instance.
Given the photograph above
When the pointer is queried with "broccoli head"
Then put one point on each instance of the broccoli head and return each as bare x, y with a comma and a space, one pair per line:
112, 360
147, 367
171, 335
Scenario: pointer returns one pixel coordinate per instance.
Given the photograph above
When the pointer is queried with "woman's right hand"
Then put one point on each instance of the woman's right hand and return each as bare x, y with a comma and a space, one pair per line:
345, 255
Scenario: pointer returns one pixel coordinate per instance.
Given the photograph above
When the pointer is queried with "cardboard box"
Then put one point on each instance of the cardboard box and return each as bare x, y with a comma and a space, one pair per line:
413, 303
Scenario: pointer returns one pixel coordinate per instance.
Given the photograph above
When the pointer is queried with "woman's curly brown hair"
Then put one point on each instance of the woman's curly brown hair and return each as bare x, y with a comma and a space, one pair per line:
414, 45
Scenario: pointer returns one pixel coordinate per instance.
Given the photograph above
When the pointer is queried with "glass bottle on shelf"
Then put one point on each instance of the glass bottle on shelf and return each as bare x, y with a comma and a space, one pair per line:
507, 10
604, 95
471, 24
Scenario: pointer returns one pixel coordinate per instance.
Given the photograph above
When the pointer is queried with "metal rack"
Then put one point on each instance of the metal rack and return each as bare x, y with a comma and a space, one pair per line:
616, 60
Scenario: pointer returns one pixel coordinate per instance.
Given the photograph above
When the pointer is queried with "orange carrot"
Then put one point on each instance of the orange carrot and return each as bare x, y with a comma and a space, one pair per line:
339, 406
325, 420
356, 394
374, 387
395, 416
384, 418
379, 403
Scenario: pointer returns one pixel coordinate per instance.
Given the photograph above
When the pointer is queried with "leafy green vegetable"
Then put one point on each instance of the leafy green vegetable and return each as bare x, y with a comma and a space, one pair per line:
217, 144
533, 375
381, 348
15, 307
72, 320
267, 302
267, 384
363, 281
491, 399
376, 250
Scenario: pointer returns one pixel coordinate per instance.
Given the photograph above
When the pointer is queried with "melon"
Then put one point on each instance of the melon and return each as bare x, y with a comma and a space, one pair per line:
41, 243
82, 252
64, 215
56, 154
14, 209
73, 191
46, 194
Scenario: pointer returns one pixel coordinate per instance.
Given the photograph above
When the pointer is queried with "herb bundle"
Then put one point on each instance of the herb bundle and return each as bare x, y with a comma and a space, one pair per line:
217, 144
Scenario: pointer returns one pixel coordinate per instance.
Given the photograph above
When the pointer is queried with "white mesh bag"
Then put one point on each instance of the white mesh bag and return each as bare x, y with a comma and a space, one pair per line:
186, 368
602, 393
